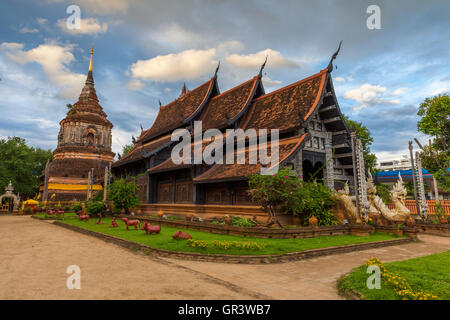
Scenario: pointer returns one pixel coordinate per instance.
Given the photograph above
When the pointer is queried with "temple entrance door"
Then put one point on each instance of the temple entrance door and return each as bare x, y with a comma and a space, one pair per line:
318, 171
311, 172
308, 170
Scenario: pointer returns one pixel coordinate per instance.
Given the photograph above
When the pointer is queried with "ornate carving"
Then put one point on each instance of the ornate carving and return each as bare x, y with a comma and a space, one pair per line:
420, 185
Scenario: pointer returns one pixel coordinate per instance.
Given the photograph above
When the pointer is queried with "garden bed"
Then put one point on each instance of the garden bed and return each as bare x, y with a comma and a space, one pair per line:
434, 229
270, 250
424, 275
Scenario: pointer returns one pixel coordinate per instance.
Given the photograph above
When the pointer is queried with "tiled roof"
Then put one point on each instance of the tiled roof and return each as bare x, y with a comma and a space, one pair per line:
135, 154
171, 115
286, 108
169, 165
232, 172
228, 105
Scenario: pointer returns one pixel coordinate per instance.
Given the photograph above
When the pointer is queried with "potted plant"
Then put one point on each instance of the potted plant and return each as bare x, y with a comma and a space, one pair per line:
399, 230
410, 222
313, 221
440, 214
227, 219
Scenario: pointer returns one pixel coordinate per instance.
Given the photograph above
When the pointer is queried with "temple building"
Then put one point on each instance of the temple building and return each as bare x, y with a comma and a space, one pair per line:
313, 140
83, 151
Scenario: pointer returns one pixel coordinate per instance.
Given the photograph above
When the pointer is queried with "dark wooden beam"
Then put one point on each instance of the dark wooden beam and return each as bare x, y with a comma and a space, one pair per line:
334, 119
332, 107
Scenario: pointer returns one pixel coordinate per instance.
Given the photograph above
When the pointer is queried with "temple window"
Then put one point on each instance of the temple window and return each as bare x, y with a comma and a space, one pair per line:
90, 139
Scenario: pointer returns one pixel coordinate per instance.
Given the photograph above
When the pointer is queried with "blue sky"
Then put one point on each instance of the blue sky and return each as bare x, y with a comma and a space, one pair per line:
145, 50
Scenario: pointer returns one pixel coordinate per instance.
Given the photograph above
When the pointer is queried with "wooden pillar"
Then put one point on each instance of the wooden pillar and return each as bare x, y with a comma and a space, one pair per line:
436, 191
88, 186
329, 161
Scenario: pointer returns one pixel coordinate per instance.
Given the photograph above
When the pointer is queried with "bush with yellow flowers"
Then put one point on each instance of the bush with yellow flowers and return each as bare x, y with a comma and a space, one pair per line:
399, 284
202, 244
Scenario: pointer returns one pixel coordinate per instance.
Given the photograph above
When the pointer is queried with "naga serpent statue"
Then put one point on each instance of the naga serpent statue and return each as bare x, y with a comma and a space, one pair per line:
398, 197
375, 201
377, 207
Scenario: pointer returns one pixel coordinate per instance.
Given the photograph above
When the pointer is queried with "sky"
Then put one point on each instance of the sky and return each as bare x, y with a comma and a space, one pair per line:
145, 50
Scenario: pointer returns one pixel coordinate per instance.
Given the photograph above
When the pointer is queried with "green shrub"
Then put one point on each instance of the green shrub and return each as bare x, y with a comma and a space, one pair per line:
123, 194
67, 208
98, 196
242, 222
94, 207
297, 197
384, 192
77, 207
440, 211
272, 191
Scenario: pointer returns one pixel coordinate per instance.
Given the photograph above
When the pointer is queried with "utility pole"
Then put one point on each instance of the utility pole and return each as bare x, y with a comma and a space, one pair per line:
414, 178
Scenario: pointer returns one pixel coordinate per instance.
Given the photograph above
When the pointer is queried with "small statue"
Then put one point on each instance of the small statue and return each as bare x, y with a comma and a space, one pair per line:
135, 223
151, 229
114, 223
84, 217
180, 235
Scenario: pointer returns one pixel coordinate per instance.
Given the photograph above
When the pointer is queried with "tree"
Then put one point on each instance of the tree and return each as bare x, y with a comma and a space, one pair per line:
361, 131
435, 121
123, 194
296, 197
126, 148
22, 165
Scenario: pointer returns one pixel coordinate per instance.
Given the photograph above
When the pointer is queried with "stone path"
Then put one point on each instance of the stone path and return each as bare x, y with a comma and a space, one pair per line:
34, 256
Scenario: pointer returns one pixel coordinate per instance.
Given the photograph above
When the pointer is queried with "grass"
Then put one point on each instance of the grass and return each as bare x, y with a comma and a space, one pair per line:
270, 246
429, 274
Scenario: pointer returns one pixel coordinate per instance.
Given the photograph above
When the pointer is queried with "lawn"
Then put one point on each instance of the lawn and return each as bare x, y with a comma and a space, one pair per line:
270, 246
428, 274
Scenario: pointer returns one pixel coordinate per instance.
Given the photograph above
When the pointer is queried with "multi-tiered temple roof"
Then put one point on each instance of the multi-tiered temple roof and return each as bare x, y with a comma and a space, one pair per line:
84, 143
306, 113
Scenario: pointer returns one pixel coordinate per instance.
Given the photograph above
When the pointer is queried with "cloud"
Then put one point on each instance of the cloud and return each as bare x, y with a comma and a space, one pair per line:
28, 30
54, 59
399, 91
339, 79
368, 95
135, 85
41, 21
274, 60
174, 35
186, 65
269, 82
87, 26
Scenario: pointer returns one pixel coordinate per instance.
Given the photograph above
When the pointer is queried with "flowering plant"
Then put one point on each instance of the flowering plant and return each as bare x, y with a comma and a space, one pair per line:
400, 284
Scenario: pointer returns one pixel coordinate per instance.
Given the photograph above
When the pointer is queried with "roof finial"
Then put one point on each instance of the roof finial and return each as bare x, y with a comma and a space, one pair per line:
142, 129
330, 65
92, 53
184, 90
262, 67
160, 104
217, 69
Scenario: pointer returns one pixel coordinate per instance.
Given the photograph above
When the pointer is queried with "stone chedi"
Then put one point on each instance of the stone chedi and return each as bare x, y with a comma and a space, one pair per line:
84, 143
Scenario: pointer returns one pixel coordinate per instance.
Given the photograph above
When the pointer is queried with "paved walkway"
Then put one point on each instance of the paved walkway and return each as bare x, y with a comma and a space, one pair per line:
34, 256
